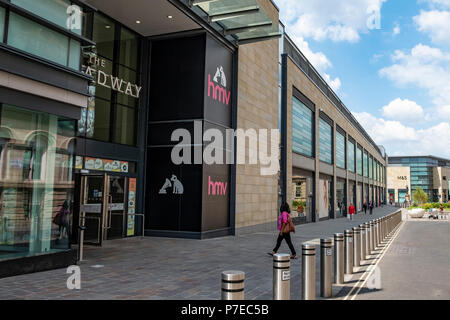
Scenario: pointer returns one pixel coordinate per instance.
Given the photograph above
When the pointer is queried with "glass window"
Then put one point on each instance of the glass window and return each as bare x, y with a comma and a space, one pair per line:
302, 126
129, 48
60, 12
359, 163
325, 142
74, 54
370, 167
2, 23
102, 120
36, 39
340, 150
103, 35
124, 127
36, 183
351, 156
366, 165
129, 76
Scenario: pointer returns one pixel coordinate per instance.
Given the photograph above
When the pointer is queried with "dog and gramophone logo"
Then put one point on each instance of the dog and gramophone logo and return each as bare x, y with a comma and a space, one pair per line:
217, 87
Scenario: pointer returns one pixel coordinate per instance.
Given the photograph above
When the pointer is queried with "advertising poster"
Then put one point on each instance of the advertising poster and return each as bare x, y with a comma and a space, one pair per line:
323, 199
131, 207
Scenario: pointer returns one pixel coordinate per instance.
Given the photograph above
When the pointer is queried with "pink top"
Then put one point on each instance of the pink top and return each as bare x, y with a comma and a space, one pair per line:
283, 218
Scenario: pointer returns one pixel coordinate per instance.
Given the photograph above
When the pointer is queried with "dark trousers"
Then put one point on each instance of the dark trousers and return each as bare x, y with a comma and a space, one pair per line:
287, 237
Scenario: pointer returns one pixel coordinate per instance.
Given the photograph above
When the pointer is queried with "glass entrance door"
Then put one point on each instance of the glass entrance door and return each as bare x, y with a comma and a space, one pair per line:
102, 207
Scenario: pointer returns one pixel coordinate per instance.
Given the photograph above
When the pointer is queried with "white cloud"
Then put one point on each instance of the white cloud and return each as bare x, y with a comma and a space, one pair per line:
327, 19
437, 3
443, 112
399, 139
424, 67
396, 30
320, 61
403, 110
436, 24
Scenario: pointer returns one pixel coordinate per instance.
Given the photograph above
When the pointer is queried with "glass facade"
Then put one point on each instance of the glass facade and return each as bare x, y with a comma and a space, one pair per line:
340, 150
351, 156
302, 129
36, 39
341, 202
36, 182
2, 23
114, 63
325, 142
359, 161
370, 167
366, 164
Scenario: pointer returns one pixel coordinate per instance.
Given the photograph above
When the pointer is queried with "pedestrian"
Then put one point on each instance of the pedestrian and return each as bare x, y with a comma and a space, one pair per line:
62, 220
285, 227
371, 207
365, 207
351, 210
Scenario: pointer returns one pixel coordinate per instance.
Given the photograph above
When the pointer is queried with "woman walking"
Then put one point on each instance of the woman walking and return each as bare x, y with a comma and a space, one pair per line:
285, 227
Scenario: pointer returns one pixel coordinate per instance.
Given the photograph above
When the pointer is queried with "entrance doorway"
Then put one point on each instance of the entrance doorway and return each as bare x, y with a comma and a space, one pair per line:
102, 207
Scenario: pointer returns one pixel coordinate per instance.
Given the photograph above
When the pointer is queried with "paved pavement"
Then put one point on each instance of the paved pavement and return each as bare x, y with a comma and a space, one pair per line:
162, 268
416, 265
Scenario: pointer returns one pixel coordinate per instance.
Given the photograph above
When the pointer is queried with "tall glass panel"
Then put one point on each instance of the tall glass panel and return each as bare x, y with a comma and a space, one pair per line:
325, 142
340, 150
341, 203
366, 165
103, 35
2, 23
60, 12
36, 183
359, 161
124, 125
31, 37
302, 128
370, 167
351, 156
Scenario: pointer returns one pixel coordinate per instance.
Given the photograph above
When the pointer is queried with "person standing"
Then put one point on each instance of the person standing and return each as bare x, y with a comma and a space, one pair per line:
365, 207
371, 207
351, 210
285, 227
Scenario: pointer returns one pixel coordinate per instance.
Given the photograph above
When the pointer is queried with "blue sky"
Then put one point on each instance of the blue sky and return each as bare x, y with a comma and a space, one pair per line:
396, 79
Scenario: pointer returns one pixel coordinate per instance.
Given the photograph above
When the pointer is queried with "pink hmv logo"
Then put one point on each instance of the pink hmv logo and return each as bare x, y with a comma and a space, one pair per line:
217, 188
217, 87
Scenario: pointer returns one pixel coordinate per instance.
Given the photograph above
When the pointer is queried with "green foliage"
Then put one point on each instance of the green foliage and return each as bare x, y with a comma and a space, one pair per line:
419, 196
428, 206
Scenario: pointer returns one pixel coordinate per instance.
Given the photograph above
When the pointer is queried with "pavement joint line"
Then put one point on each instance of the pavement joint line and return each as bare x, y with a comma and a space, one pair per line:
373, 265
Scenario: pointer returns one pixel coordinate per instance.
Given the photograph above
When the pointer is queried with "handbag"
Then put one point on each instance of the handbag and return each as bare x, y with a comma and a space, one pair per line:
289, 226
58, 219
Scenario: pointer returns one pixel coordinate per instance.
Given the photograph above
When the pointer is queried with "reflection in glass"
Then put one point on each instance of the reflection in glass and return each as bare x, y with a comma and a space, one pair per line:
302, 128
351, 156
2, 23
325, 142
340, 150
36, 161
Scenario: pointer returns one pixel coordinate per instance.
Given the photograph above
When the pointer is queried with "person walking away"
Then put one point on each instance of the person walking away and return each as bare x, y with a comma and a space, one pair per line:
365, 207
285, 227
351, 210
371, 207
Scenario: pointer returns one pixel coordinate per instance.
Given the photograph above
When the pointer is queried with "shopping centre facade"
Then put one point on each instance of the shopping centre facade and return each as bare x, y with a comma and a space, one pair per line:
92, 92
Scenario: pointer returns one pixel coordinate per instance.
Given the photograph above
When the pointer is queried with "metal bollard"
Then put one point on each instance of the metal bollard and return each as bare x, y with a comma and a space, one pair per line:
356, 247
379, 232
233, 285
373, 245
326, 253
338, 258
348, 256
368, 236
375, 225
362, 227
281, 277
309, 272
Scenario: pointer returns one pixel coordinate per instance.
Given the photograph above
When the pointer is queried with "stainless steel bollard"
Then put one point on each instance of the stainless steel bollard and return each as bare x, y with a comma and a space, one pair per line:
339, 258
373, 245
356, 247
367, 225
281, 277
326, 253
309, 272
233, 285
348, 256
362, 229
378, 232
375, 226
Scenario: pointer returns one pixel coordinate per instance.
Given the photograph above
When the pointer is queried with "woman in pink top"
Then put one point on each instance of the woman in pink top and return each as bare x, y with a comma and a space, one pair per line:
282, 221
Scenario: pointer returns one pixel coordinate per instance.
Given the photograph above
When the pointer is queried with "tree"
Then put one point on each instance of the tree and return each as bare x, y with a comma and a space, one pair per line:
420, 197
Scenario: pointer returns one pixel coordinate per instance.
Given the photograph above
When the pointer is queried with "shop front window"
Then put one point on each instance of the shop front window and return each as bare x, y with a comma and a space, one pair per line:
36, 183
340, 198
302, 197
325, 198
302, 125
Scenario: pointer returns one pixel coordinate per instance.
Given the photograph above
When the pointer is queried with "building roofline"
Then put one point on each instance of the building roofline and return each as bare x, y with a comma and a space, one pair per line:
339, 105
428, 156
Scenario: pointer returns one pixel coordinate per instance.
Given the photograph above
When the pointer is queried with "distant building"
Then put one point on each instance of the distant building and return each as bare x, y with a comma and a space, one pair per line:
406, 174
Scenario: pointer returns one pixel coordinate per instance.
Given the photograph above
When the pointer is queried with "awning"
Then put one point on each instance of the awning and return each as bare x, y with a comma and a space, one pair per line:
244, 20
